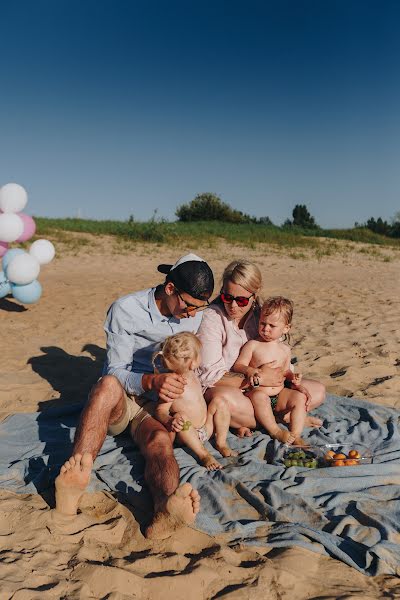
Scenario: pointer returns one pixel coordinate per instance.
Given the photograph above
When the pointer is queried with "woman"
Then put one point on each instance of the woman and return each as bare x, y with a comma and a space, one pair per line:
230, 321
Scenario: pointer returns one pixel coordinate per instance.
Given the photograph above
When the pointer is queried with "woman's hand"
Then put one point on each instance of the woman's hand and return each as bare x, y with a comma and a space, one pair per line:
271, 375
303, 390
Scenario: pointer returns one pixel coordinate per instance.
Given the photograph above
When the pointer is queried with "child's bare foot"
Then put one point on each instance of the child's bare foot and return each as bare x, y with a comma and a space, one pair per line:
225, 450
298, 441
71, 483
282, 435
243, 432
210, 463
180, 509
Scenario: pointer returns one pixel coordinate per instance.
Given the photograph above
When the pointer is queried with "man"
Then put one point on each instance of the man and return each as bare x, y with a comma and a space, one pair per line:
126, 394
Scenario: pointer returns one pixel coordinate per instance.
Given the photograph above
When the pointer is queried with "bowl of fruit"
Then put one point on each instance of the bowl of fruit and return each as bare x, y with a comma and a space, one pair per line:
324, 455
345, 455
299, 456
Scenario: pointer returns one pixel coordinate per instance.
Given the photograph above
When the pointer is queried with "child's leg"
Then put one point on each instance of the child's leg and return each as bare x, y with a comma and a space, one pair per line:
191, 439
293, 402
264, 415
218, 419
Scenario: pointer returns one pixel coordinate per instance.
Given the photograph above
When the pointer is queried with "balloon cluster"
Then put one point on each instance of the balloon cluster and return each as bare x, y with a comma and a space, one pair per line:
20, 268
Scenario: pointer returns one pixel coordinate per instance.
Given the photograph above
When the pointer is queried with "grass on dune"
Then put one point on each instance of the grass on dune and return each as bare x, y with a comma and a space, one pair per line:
209, 232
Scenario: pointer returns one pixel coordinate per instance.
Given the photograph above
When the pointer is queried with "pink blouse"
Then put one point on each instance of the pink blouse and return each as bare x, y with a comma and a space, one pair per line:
221, 341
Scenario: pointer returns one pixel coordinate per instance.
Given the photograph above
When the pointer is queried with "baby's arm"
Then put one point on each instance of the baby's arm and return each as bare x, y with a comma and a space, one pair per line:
295, 380
242, 364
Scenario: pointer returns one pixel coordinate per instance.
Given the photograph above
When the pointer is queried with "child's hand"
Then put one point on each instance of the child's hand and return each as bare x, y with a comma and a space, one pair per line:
296, 379
177, 422
253, 376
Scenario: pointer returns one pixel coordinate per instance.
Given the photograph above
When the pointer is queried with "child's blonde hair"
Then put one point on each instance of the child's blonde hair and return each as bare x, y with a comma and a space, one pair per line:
178, 351
279, 304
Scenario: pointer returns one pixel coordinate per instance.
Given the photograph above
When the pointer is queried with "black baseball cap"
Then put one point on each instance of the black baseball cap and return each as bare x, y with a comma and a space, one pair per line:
190, 274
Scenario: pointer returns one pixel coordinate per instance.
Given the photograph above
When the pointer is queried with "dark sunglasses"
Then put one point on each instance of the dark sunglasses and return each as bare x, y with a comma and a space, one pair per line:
240, 300
192, 307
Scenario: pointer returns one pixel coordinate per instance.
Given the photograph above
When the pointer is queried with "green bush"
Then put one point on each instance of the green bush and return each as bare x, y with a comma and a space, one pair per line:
209, 207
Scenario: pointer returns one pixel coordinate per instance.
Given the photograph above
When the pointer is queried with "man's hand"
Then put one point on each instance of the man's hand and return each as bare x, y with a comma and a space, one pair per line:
168, 386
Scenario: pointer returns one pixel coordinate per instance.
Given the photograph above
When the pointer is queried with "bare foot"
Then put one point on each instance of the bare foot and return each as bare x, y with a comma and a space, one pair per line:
313, 422
210, 463
298, 441
180, 509
225, 450
71, 483
309, 422
243, 432
282, 435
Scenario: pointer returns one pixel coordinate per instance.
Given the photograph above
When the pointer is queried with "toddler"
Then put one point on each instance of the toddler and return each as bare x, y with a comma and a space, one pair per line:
188, 415
270, 349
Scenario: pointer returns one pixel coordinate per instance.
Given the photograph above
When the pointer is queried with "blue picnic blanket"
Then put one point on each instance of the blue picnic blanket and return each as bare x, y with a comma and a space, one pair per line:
352, 514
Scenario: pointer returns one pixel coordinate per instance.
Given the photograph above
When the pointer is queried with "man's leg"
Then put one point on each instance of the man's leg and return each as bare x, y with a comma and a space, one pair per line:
174, 505
105, 405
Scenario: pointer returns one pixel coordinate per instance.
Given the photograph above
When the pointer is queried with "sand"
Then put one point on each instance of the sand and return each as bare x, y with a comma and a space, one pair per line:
346, 333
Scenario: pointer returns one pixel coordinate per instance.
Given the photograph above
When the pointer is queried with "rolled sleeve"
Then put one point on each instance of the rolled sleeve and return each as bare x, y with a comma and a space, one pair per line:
212, 337
120, 331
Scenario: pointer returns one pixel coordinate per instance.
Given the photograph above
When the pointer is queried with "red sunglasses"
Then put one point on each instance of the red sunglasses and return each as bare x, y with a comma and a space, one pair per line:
240, 300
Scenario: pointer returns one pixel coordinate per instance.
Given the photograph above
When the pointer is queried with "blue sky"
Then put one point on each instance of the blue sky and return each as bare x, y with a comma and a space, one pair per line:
112, 108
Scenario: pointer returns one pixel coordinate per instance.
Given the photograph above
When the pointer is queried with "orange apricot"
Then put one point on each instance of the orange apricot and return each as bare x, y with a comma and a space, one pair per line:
354, 454
328, 457
337, 463
350, 462
339, 456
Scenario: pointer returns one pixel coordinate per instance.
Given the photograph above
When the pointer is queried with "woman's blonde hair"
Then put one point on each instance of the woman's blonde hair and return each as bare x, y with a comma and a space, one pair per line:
178, 351
245, 274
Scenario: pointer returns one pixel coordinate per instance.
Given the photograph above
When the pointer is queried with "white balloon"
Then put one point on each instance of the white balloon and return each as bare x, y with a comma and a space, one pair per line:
11, 227
23, 269
43, 251
13, 198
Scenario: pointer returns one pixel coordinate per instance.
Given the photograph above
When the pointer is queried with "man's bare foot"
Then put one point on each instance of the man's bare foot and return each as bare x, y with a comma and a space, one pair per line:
243, 432
210, 463
180, 509
71, 483
225, 450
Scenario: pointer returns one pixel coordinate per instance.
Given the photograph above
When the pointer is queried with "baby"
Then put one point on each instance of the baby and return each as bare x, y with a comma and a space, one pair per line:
270, 349
188, 415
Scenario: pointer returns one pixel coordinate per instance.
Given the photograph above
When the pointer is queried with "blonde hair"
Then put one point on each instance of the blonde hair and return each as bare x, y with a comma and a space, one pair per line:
279, 304
245, 274
178, 351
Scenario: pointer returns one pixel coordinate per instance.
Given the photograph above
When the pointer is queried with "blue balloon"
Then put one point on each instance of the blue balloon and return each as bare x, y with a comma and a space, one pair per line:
5, 286
9, 255
27, 294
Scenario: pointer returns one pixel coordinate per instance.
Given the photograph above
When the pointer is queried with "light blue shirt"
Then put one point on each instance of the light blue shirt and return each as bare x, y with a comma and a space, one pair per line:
135, 328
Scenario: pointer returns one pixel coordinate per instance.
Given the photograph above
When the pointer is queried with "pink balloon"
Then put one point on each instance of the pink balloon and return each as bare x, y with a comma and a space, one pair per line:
3, 248
29, 227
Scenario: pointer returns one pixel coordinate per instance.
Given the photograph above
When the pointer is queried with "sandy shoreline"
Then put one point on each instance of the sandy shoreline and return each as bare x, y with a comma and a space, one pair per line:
346, 334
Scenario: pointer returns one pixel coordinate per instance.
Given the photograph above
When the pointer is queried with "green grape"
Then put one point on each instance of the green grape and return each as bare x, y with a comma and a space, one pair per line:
288, 463
186, 426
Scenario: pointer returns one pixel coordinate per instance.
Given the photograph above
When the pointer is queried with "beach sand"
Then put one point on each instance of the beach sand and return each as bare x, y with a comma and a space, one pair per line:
346, 334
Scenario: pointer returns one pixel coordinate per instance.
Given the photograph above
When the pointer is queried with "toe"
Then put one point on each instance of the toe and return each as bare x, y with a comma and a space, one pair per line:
184, 490
71, 461
77, 458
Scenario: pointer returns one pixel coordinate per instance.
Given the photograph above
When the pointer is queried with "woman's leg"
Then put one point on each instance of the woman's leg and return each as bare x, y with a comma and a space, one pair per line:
240, 407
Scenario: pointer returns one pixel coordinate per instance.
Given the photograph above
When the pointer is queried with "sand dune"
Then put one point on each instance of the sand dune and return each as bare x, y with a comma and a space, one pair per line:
346, 334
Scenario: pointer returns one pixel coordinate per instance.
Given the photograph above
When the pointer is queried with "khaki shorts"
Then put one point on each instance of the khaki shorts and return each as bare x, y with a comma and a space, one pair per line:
137, 409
